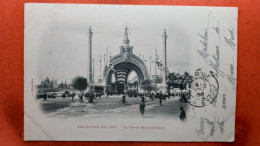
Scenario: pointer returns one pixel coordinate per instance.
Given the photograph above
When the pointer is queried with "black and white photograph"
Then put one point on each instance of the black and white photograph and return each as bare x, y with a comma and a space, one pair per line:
129, 73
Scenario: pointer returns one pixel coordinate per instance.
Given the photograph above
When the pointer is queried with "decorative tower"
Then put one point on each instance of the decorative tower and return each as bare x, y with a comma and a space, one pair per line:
125, 48
126, 39
164, 72
89, 67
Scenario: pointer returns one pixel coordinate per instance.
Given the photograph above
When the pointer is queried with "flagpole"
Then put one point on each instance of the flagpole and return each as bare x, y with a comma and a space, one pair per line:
150, 66
104, 60
160, 69
107, 55
100, 63
155, 60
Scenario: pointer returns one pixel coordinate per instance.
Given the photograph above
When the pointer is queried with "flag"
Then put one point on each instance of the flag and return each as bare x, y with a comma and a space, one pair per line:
111, 66
159, 64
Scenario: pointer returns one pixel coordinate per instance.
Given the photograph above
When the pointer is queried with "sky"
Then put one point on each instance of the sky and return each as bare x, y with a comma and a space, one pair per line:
58, 35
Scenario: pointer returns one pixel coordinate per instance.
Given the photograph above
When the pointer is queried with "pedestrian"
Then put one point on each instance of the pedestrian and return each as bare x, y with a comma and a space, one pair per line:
73, 95
45, 96
123, 99
143, 100
183, 114
81, 98
91, 97
161, 96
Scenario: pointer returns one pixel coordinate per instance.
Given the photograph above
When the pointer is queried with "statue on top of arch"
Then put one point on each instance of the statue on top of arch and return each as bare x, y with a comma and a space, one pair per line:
126, 55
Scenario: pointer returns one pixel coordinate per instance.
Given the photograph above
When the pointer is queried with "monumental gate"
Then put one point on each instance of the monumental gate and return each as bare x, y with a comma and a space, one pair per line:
121, 65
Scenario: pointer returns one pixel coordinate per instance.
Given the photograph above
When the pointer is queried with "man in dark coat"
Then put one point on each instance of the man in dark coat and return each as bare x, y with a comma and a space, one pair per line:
161, 96
123, 98
143, 100
183, 114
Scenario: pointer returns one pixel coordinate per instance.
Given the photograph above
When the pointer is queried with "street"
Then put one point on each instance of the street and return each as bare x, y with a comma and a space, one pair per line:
111, 107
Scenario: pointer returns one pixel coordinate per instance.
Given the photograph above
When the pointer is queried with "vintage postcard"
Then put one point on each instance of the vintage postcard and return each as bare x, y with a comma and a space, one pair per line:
129, 73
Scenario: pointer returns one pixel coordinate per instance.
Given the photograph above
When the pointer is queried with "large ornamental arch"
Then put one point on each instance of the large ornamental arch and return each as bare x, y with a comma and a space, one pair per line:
122, 64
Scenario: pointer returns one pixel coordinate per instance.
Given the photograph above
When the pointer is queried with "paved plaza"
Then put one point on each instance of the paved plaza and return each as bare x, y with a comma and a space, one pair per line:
111, 107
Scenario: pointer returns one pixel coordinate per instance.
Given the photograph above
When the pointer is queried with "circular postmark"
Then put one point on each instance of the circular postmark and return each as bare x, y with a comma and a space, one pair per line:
204, 89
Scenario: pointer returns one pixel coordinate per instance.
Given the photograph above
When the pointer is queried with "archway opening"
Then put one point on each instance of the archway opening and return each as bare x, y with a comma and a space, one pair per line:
132, 83
120, 87
127, 76
113, 78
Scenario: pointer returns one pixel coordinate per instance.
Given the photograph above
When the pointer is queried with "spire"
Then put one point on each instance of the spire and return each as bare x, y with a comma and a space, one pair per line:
164, 36
126, 32
90, 33
126, 40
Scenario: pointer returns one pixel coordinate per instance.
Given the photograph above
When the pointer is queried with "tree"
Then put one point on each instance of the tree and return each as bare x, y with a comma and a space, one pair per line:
176, 80
147, 85
172, 80
61, 85
186, 78
80, 83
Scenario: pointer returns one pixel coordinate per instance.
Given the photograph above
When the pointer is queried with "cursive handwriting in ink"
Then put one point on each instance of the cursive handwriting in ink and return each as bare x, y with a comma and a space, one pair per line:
224, 97
204, 42
214, 103
231, 77
217, 28
221, 126
206, 126
202, 126
230, 41
211, 126
216, 65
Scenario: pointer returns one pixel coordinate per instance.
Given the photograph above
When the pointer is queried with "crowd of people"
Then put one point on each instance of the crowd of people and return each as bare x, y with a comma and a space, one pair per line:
91, 96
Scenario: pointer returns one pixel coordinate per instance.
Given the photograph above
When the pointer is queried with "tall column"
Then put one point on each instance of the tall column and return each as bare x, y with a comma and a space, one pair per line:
164, 72
93, 73
89, 66
164, 36
89, 69
155, 62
